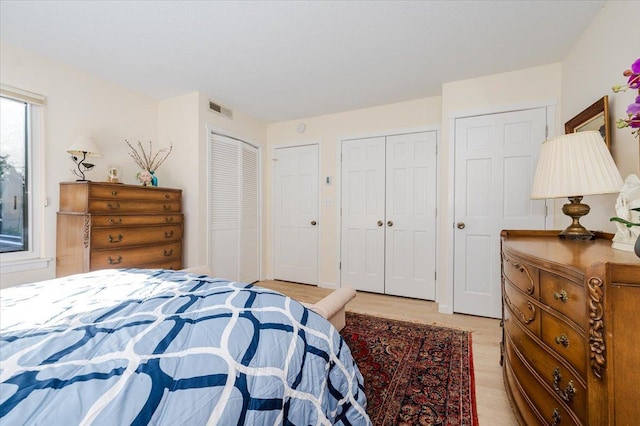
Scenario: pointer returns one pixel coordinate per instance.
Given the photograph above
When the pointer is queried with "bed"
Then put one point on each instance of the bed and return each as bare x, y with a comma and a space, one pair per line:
134, 346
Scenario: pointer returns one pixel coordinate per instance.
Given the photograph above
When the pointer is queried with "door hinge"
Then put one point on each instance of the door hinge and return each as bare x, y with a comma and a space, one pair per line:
546, 131
435, 276
340, 266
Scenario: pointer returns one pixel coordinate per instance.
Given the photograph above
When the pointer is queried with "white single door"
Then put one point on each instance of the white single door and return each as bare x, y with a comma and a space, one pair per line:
411, 215
495, 160
296, 220
233, 187
363, 214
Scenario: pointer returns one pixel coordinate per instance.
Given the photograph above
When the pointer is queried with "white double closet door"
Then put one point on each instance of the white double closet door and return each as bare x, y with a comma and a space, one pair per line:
388, 220
234, 213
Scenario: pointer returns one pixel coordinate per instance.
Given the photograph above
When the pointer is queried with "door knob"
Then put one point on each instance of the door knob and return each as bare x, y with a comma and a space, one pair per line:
389, 223
460, 225
313, 222
380, 223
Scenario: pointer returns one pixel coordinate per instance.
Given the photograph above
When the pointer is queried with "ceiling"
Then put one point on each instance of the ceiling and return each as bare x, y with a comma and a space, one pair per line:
284, 60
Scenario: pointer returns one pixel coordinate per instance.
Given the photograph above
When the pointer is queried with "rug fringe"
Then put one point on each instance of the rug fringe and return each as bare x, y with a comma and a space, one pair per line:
412, 321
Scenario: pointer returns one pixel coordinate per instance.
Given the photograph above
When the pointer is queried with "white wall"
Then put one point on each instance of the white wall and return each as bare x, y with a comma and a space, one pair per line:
77, 103
178, 122
328, 130
594, 64
185, 119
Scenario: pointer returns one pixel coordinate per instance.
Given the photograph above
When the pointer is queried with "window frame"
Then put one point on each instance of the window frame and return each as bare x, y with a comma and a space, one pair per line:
33, 257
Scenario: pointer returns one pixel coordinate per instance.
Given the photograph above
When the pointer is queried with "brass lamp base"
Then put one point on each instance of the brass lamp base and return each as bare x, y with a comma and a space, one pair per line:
576, 210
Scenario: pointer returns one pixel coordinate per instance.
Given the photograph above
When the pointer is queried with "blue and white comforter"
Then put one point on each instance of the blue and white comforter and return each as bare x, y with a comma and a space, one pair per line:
132, 346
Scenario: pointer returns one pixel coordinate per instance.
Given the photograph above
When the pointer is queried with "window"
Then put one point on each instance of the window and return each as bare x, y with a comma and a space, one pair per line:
14, 218
21, 184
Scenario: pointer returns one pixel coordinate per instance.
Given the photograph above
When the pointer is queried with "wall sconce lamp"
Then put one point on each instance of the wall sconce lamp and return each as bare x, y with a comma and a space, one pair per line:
81, 148
574, 165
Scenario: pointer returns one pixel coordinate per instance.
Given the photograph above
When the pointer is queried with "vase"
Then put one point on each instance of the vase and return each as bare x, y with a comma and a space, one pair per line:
154, 179
636, 247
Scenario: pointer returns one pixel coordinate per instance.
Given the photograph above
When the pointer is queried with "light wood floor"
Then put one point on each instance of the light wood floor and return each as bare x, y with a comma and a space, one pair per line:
493, 406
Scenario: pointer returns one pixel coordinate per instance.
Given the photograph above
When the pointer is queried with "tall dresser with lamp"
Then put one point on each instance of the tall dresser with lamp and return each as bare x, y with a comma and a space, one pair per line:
109, 225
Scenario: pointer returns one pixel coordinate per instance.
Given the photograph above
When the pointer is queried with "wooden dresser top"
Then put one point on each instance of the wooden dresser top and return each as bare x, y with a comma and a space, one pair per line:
547, 248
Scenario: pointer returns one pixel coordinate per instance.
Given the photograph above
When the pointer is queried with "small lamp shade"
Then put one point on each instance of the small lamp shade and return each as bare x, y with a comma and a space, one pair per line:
574, 165
84, 145
81, 148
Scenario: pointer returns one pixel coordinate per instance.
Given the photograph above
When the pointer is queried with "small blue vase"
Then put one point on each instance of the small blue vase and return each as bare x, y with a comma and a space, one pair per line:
154, 179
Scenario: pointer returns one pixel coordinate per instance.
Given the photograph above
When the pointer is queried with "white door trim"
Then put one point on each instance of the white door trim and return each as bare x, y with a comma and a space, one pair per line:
273, 218
550, 105
211, 128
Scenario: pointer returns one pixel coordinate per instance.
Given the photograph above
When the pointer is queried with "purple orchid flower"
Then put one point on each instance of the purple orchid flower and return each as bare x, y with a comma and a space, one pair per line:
634, 75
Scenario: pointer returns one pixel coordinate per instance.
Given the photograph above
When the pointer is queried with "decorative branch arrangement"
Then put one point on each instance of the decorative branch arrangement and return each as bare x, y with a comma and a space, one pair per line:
149, 162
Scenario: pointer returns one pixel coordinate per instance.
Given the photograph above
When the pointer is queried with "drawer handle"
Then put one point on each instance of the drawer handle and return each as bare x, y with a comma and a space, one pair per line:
556, 417
167, 206
115, 222
168, 253
115, 262
168, 234
568, 392
168, 219
562, 296
115, 206
114, 192
562, 340
114, 240
167, 196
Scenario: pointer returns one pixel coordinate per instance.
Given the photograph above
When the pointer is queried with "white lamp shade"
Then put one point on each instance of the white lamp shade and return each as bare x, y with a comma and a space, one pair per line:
84, 144
575, 164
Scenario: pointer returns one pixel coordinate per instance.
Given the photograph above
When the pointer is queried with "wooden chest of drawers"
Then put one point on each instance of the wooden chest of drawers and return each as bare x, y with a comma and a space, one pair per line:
108, 225
571, 329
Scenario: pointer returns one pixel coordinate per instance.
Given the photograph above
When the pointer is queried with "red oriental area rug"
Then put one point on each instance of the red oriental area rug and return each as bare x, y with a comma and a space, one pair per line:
414, 374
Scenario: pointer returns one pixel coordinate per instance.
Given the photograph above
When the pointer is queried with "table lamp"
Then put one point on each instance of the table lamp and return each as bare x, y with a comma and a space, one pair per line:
574, 165
81, 148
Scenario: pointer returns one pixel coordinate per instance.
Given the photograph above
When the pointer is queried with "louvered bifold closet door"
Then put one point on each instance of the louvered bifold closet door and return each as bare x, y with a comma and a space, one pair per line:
234, 209
249, 236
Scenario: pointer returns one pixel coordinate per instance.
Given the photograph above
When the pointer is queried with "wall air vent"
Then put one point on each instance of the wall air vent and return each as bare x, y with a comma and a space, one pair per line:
221, 110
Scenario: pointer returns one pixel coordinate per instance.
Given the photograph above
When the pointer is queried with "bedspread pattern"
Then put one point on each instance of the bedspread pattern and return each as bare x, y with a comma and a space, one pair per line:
163, 347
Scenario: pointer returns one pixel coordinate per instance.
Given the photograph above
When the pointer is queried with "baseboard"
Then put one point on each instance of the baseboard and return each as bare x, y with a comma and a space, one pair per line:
328, 285
444, 309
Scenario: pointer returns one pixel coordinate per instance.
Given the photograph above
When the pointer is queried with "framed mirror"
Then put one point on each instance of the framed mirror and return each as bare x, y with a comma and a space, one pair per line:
594, 117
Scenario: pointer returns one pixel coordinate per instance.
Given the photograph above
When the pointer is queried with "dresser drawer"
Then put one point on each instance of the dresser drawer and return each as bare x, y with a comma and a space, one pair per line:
544, 402
136, 256
522, 308
569, 387
565, 341
521, 275
142, 219
133, 193
132, 206
564, 296
109, 238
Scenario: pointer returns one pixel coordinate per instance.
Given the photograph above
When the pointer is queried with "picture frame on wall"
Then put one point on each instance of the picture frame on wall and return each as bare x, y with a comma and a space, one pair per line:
594, 117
